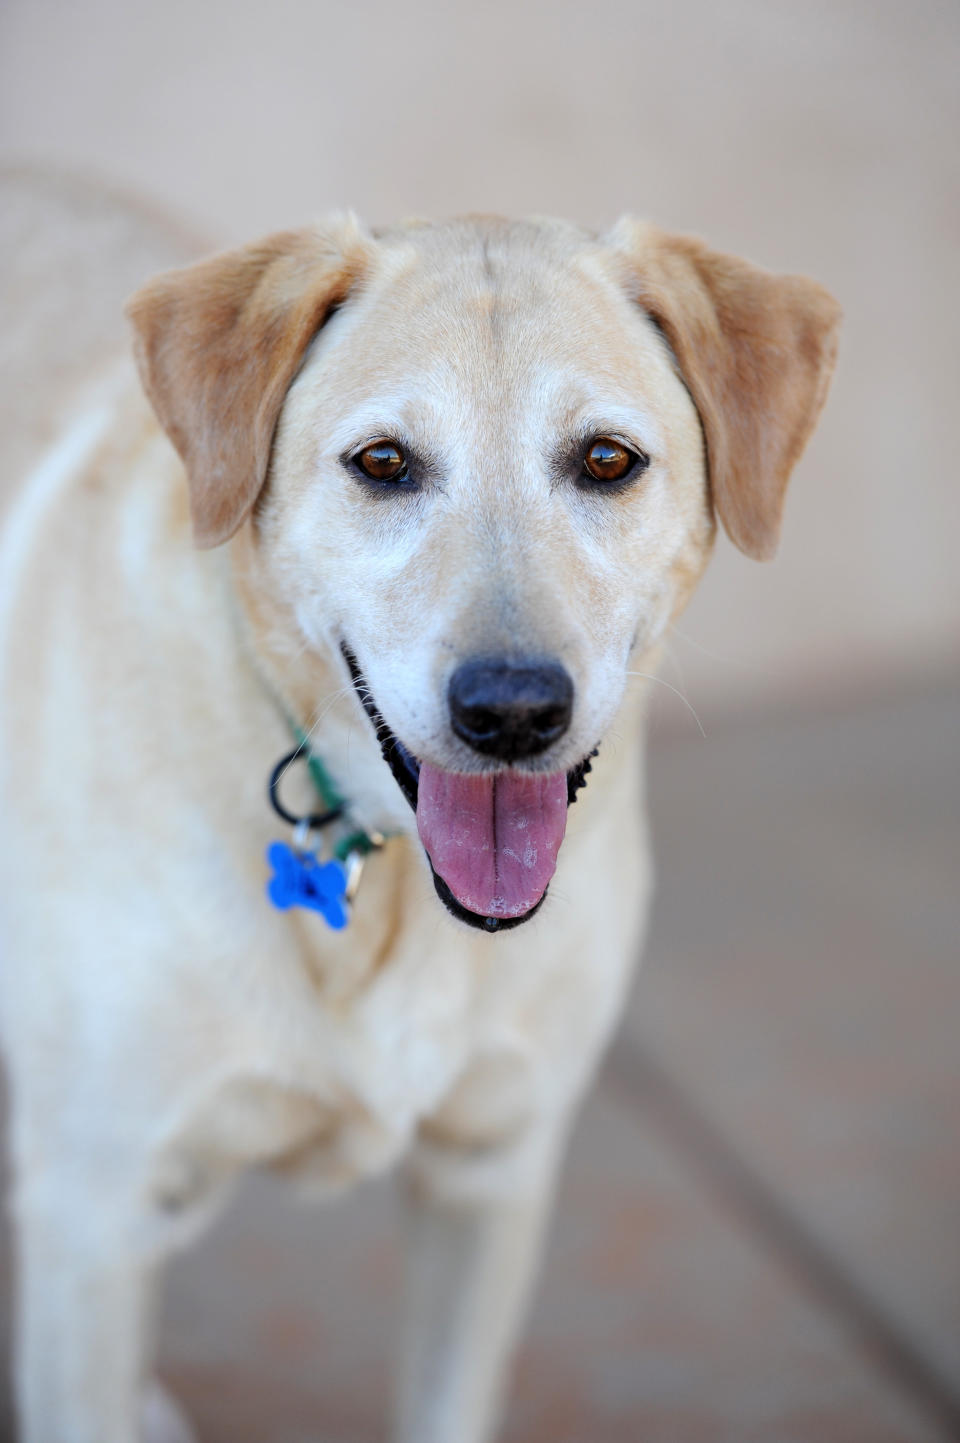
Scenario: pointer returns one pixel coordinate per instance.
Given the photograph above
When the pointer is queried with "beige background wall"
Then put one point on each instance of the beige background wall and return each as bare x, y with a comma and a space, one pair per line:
810, 136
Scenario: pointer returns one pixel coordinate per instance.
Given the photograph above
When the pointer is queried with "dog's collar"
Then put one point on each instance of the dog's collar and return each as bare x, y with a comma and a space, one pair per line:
300, 877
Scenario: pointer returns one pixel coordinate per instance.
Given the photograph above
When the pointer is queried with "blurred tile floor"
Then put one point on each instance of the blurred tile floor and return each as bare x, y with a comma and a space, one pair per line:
758, 1236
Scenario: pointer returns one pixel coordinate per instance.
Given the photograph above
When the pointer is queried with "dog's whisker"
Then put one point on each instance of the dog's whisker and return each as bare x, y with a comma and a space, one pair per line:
319, 714
737, 662
672, 658
331, 702
649, 676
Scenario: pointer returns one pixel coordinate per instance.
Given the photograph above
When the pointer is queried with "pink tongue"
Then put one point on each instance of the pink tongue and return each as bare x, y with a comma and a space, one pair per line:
493, 840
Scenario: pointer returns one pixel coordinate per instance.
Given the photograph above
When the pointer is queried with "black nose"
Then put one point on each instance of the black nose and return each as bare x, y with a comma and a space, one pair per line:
510, 709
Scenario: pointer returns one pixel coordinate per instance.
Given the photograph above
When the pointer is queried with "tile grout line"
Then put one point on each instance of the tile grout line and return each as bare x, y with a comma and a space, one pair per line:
632, 1071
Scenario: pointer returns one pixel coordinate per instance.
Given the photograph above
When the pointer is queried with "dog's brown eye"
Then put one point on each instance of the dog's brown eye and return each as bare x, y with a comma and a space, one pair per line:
608, 460
382, 461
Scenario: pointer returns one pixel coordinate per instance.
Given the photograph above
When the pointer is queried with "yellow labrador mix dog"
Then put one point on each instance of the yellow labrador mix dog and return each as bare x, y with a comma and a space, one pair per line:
396, 524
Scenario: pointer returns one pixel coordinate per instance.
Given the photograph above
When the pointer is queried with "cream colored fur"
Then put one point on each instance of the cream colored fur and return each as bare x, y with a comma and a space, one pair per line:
164, 1028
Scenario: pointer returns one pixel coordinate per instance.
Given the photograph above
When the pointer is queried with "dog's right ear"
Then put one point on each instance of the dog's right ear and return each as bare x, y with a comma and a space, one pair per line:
218, 345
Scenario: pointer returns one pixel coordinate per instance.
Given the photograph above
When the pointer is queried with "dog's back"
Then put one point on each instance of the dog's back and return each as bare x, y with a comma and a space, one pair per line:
71, 251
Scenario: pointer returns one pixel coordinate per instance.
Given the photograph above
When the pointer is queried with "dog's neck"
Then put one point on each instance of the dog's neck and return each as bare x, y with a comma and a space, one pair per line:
311, 690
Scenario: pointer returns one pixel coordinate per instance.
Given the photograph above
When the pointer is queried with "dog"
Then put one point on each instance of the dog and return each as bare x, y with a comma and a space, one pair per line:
383, 529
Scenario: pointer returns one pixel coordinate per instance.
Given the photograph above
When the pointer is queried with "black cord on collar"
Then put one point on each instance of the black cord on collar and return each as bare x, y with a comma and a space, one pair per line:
310, 819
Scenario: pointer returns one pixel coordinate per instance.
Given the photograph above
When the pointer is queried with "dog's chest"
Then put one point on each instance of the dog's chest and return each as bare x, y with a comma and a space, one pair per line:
430, 1034
432, 1049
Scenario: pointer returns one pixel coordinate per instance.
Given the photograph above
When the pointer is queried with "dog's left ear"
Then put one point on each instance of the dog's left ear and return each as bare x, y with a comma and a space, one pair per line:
756, 352
218, 344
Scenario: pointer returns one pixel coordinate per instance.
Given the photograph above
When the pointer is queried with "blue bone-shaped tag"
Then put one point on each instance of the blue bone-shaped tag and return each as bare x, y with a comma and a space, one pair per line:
301, 880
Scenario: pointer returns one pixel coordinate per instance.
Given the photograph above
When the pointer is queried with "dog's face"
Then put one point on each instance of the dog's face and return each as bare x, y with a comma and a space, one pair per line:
473, 461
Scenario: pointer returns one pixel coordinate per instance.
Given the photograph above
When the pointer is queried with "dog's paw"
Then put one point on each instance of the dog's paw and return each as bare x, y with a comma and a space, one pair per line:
162, 1420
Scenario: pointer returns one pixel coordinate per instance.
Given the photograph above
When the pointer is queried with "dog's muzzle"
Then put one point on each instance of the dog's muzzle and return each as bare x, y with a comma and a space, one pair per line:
491, 838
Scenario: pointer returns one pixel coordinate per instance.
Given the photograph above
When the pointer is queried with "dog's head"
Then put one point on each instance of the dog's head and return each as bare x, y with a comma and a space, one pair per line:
480, 462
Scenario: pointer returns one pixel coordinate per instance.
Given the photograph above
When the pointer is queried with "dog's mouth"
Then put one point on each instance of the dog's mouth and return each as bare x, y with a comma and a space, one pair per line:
491, 839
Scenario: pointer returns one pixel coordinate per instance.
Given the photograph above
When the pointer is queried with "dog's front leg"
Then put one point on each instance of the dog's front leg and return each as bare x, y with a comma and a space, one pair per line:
472, 1256
85, 1326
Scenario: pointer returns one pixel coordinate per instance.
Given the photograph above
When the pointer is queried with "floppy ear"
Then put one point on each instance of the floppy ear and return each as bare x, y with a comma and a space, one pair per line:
218, 344
756, 352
